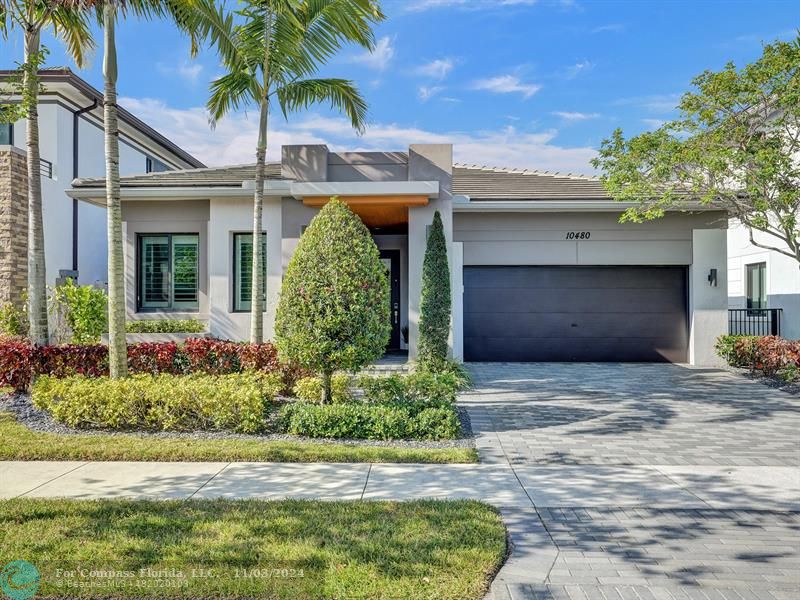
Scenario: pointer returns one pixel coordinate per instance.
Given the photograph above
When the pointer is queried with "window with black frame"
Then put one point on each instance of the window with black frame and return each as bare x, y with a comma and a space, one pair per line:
756, 279
169, 272
243, 270
6, 134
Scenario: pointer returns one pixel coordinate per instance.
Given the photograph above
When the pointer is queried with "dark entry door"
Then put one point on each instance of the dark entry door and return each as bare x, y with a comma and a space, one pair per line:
608, 314
391, 259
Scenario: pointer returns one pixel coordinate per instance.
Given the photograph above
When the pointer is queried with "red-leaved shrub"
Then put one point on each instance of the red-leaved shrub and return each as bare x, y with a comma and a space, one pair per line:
773, 353
20, 360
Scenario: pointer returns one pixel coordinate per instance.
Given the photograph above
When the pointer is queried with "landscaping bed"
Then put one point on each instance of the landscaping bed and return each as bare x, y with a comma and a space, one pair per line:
771, 360
246, 548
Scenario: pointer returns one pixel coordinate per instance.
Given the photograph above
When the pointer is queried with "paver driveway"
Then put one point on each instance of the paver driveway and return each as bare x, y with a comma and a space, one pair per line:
630, 414
651, 481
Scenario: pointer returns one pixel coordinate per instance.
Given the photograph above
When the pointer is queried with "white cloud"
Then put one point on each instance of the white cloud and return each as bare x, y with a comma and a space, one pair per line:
436, 69
423, 5
379, 58
189, 71
653, 123
609, 28
234, 139
426, 92
655, 103
580, 67
506, 84
575, 116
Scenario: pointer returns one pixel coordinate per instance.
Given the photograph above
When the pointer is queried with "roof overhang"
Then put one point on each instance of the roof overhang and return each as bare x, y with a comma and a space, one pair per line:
465, 204
395, 193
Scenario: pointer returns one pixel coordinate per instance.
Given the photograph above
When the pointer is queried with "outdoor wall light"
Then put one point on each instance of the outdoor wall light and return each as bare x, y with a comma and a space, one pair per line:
712, 277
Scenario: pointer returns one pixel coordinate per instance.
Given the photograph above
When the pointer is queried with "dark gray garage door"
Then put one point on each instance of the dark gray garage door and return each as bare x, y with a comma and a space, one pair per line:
575, 314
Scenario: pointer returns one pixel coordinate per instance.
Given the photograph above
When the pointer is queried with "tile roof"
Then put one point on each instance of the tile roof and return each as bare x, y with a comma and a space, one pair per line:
493, 183
479, 183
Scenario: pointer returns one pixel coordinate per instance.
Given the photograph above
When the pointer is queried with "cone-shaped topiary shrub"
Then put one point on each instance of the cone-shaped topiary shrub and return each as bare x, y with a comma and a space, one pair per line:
434, 320
333, 312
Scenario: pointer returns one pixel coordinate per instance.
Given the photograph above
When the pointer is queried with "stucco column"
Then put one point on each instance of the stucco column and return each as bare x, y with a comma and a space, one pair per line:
427, 162
708, 303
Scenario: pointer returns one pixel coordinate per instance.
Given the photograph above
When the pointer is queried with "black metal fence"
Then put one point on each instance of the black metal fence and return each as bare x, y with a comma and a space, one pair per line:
46, 168
754, 321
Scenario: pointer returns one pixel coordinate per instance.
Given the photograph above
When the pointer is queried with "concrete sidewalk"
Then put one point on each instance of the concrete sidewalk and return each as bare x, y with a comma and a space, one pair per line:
528, 486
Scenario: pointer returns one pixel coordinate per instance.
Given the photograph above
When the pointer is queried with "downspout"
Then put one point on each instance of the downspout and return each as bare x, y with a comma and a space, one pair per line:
75, 124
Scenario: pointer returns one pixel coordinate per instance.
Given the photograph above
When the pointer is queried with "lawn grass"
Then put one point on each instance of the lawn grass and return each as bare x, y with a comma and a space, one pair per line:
17, 442
240, 548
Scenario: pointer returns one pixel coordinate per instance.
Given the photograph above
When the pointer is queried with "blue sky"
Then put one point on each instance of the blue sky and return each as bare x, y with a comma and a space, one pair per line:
518, 83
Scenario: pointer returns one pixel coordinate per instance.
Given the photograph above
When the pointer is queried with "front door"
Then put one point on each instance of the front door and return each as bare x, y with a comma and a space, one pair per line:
391, 260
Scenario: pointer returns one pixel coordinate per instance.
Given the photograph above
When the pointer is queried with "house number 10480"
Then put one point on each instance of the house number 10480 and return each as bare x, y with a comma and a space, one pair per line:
578, 235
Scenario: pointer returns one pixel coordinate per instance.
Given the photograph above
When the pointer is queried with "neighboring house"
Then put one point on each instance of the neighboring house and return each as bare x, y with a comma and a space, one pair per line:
763, 286
71, 145
542, 270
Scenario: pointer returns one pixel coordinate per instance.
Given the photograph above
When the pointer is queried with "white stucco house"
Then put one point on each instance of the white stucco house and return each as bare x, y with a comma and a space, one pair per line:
71, 145
763, 286
541, 268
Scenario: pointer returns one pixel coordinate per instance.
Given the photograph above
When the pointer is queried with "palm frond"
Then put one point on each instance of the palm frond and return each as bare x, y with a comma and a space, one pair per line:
71, 25
340, 94
231, 92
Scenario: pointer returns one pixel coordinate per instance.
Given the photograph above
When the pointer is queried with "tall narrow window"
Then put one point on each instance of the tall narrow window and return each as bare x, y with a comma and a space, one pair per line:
243, 270
169, 272
6, 134
756, 276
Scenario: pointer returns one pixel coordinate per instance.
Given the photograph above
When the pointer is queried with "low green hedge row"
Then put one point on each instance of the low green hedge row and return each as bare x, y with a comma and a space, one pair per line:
371, 421
433, 388
236, 402
309, 389
165, 326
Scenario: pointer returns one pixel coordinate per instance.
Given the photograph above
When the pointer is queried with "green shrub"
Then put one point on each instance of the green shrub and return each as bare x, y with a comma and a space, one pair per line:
434, 307
309, 389
434, 389
359, 420
235, 402
333, 313
725, 347
165, 326
84, 309
13, 320
457, 370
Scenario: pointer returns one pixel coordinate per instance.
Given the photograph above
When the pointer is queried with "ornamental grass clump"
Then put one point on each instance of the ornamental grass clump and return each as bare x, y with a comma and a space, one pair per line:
333, 313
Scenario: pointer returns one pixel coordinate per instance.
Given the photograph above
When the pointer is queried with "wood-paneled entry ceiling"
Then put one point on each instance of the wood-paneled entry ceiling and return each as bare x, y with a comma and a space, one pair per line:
375, 211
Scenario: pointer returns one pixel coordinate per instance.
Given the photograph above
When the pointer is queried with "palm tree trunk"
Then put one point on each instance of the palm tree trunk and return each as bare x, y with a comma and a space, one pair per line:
117, 348
37, 282
256, 299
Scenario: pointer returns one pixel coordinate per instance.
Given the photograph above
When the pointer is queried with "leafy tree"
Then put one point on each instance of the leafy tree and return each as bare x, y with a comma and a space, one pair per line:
84, 310
271, 53
435, 301
333, 312
71, 26
736, 145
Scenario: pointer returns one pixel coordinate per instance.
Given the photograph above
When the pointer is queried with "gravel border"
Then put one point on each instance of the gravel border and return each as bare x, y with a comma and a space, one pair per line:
773, 382
40, 421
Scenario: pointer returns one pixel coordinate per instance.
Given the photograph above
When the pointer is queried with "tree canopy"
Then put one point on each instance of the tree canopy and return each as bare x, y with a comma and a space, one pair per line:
735, 145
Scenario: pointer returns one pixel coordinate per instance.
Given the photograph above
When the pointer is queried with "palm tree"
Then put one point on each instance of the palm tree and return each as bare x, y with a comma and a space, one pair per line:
72, 27
108, 11
271, 54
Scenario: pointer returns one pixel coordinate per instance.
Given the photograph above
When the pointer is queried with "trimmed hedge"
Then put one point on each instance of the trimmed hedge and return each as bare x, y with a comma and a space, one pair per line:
235, 402
165, 326
433, 389
309, 389
21, 361
772, 355
371, 421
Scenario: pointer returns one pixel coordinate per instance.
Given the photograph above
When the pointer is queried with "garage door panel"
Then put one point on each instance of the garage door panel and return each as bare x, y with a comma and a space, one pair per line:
623, 325
575, 313
554, 350
571, 277
558, 299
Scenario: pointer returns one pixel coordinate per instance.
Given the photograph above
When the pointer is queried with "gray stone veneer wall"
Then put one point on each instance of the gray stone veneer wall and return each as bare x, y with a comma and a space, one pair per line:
13, 225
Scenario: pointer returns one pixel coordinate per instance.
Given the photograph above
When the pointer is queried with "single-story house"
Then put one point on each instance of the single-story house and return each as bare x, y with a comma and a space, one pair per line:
542, 269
